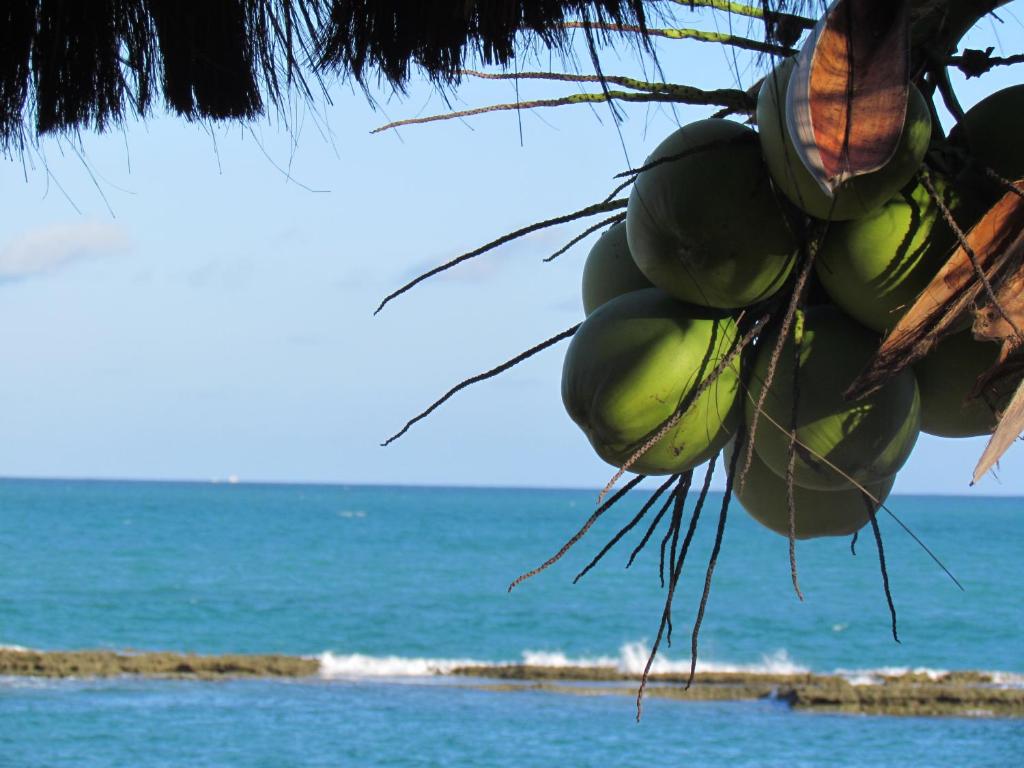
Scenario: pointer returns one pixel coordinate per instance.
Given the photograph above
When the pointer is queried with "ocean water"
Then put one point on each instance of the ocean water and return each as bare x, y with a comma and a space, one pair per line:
386, 585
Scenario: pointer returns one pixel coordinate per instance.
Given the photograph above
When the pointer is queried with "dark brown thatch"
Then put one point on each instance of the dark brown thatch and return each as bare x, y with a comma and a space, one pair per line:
386, 36
69, 64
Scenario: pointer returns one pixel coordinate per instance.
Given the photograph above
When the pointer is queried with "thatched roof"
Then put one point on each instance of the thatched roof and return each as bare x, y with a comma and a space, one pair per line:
88, 63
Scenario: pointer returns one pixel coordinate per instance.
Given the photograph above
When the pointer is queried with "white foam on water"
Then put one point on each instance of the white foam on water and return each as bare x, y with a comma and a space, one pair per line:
358, 665
873, 676
632, 659
559, 659
1008, 679
18, 648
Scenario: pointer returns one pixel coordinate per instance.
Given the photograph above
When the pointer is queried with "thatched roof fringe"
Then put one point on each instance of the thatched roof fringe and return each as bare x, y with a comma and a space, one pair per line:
17, 30
66, 64
387, 36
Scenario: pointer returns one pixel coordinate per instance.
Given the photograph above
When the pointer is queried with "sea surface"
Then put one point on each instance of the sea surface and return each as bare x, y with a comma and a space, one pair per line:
388, 585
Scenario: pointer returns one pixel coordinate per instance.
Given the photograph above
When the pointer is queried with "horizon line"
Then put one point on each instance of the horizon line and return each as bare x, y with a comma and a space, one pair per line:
232, 480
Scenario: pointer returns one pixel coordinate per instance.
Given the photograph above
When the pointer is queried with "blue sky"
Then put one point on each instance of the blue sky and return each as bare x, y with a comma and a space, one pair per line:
174, 304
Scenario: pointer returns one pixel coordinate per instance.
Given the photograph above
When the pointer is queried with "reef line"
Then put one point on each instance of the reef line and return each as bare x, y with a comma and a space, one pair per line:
959, 693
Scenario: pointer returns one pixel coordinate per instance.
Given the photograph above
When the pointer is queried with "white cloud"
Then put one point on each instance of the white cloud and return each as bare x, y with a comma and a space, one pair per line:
47, 249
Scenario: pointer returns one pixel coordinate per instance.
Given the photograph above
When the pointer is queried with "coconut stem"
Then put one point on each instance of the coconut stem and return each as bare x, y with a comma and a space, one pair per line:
687, 34
975, 63
774, 17
678, 94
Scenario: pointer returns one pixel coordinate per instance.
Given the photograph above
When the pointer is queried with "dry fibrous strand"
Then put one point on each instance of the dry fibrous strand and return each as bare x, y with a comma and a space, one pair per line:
673, 582
682, 488
632, 173
583, 235
651, 528
688, 538
579, 534
590, 210
620, 187
791, 466
652, 499
795, 298
713, 560
568, 332
1005, 183
881, 564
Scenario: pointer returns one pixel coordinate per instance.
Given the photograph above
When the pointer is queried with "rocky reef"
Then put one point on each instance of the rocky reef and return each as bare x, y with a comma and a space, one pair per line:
158, 664
971, 694
960, 694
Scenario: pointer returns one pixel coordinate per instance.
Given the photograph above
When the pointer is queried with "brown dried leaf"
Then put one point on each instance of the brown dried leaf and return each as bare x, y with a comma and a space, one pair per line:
1010, 426
997, 241
1005, 321
847, 99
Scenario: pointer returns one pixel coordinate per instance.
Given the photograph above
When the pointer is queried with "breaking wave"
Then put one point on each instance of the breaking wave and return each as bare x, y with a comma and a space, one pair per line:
631, 659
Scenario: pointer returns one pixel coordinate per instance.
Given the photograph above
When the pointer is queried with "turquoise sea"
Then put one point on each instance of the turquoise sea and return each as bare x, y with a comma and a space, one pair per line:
388, 585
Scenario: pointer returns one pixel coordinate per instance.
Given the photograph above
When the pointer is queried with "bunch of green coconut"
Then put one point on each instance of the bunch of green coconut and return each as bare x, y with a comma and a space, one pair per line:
716, 225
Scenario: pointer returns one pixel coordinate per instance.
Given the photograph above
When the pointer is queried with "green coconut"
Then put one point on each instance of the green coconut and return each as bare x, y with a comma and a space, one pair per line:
856, 197
630, 366
610, 270
875, 267
706, 227
945, 377
991, 132
867, 440
817, 513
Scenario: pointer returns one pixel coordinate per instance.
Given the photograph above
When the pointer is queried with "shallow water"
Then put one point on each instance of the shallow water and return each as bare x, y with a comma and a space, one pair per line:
386, 584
